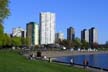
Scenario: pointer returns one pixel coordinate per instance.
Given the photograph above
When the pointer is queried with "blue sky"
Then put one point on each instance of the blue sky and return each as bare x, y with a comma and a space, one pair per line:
79, 14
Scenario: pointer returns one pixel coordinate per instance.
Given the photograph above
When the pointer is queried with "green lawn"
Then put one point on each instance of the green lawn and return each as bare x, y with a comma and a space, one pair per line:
11, 61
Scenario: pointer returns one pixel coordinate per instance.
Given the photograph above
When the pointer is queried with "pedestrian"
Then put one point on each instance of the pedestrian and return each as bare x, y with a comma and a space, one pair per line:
72, 61
85, 63
50, 60
30, 57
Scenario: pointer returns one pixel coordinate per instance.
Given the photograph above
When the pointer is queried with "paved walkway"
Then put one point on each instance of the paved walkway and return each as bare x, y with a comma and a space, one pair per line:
70, 53
54, 54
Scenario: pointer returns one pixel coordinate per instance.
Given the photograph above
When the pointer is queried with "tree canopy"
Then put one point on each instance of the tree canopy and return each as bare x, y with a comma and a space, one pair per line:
4, 10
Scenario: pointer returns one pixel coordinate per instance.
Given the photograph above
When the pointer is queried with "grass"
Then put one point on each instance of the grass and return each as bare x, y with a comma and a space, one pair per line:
11, 61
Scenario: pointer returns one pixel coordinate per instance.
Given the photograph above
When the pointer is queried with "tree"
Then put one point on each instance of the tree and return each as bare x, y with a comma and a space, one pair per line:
95, 45
6, 40
85, 44
1, 29
64, 43
23, 41
4, 10
77, 42
16, 41
1, 40
70, 44
58, 41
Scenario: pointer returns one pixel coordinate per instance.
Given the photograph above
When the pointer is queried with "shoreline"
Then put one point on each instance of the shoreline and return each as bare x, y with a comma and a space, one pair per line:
91, 69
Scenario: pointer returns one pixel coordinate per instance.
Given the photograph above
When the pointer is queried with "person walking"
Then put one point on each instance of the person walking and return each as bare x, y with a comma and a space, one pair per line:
85, 63
72, 61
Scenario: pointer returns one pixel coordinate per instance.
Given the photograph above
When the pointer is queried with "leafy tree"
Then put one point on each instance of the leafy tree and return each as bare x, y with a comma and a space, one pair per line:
70, 44
65, 43
6, 40
16, 41
36, 46
77, 42
23, 41
1, 40
58, 41
85, 44
4, 10
95, 45
1, 29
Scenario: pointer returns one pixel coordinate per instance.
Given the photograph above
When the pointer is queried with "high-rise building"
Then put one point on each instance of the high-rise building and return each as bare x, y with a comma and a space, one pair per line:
59, 36
70, 33
47, 28
18, 32
93, 37
85, 35
33, 33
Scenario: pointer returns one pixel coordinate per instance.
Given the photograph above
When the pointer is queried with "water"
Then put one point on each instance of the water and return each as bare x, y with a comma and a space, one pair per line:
94, 60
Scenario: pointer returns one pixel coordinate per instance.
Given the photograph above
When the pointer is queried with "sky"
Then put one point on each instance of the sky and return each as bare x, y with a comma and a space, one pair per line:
80, 14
